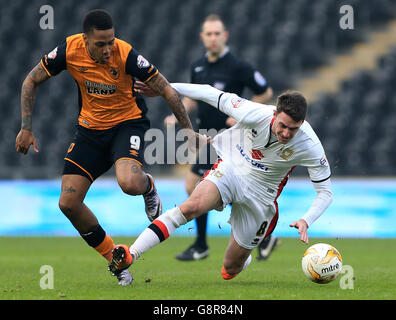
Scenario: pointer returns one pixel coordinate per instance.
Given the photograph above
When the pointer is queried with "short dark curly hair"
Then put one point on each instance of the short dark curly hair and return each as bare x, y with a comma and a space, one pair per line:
293, 104
98, 19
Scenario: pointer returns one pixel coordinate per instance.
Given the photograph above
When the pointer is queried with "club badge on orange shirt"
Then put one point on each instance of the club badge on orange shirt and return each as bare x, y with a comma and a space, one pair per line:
114, 72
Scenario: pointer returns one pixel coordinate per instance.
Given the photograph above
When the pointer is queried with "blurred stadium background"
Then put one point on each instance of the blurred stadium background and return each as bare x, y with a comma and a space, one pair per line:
348, 76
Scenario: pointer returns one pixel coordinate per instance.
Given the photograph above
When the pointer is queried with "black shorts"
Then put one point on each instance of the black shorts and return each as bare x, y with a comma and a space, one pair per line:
93, 152
206, 159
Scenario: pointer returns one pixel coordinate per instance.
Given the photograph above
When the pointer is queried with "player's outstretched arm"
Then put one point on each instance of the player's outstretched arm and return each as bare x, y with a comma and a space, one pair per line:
190, 91
203, 92
245, 111
321, 203
161, 86
25, 136
189, 104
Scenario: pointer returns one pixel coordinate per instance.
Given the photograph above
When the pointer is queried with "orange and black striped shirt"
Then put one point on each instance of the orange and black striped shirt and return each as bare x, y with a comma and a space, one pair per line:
105, 90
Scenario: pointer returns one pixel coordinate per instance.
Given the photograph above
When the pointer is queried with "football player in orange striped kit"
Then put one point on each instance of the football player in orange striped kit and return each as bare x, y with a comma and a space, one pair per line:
111, 123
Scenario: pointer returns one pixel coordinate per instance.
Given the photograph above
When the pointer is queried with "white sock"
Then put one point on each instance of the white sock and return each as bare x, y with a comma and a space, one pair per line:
247, 262
159, 230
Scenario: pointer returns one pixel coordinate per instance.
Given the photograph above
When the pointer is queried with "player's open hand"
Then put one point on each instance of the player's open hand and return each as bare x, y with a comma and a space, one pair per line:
302, 227
144, 89
24, 140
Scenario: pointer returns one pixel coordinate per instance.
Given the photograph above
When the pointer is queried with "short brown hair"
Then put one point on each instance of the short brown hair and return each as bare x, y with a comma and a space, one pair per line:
293, 104
213, 17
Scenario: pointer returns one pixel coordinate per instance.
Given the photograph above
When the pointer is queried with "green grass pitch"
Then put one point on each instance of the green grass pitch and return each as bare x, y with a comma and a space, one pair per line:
80, 273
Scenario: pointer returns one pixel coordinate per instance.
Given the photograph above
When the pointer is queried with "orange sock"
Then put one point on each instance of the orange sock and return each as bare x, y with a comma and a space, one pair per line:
105, 248
225, 275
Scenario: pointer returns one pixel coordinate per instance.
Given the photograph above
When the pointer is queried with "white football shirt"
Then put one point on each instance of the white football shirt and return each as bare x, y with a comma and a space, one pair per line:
256, 156
262, 162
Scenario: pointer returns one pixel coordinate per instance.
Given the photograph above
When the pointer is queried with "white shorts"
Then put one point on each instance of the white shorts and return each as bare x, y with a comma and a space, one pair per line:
251, 219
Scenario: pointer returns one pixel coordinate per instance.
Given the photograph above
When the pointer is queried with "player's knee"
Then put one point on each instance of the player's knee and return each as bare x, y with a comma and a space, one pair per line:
192, 208
133, 187
68, 206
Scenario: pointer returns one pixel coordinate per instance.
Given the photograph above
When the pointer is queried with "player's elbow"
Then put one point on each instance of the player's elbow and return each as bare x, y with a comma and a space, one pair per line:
29, 83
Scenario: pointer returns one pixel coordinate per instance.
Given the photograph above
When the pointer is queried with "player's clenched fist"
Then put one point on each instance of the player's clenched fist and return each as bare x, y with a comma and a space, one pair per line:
24, 140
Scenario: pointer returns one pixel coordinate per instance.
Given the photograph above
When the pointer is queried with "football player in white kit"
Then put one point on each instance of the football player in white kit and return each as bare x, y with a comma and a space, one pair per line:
256, 157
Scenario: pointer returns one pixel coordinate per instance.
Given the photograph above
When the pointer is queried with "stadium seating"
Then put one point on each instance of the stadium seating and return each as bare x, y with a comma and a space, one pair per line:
358, 125
283, 39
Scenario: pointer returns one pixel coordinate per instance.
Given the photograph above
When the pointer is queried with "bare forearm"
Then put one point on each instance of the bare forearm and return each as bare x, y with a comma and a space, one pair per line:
160, 85
28, 94
27, 103
178, 109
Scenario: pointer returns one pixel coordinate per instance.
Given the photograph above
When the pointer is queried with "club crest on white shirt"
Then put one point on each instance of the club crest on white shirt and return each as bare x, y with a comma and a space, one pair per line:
237, 102
323, 161
285, 153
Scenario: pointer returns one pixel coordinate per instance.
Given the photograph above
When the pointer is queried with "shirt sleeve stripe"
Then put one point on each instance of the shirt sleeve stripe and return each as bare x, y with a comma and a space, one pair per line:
321, 180
152, 76
218, 101
49, 74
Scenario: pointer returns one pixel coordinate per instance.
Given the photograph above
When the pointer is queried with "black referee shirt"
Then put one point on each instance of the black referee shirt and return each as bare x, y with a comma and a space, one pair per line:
228, 74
